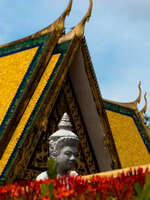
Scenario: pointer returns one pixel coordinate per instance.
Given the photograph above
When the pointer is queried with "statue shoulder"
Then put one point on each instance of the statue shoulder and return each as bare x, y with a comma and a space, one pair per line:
74, 173
42, 176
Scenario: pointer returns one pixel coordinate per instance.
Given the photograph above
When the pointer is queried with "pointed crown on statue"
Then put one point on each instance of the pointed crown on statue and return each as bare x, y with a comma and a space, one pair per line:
63, 137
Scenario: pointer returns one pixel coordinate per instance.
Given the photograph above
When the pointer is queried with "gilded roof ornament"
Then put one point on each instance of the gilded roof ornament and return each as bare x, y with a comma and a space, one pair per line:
138, 100
130, 105
59, 23
79, 29
145, 106
133, 105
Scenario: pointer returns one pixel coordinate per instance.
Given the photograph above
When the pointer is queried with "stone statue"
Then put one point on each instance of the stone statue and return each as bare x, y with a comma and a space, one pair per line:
63, 147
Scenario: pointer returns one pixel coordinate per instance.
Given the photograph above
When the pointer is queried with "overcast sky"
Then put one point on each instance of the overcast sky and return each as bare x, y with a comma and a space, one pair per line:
118, 37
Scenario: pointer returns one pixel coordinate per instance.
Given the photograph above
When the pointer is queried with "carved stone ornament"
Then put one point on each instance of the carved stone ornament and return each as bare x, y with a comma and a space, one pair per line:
63, 147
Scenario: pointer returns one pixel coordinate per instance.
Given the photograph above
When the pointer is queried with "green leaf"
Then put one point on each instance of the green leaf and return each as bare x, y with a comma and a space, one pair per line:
52, 170
51, 189
43, 188
147, 179
146, 193
138, 189
135, 198
143, 194
23, 198
146, 188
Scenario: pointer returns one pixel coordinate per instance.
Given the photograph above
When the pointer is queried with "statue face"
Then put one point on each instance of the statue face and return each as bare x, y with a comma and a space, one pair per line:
67, 158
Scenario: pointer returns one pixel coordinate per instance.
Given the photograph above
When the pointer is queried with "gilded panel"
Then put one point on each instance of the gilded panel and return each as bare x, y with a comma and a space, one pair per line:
25, 121
12, 71
129, 144
26, 134
129, 112
17, 63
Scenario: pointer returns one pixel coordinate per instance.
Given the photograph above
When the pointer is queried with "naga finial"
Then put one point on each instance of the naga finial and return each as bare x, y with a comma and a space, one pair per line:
138, 100
88, 14
59, 23
68, 9
145, 106
79, 29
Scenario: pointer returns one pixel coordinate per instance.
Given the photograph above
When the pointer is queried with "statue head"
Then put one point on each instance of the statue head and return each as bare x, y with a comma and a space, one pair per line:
63, 146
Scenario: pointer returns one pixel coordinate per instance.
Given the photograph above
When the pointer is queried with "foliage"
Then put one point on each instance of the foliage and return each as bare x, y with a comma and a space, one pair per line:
52, 170
129, 186
147, 121
142, 193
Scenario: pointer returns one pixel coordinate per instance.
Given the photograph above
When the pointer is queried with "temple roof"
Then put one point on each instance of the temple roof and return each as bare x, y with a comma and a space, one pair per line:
131, 135
32, 74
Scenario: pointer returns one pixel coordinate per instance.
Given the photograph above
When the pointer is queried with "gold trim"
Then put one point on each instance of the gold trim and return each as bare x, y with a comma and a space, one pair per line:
130, 105
78, 30
57, 25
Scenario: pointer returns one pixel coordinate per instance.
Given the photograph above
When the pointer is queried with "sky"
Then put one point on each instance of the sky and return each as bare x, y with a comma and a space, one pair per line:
118, 38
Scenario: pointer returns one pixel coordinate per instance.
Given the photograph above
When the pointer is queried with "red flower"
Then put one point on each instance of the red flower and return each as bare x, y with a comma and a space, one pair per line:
73, 187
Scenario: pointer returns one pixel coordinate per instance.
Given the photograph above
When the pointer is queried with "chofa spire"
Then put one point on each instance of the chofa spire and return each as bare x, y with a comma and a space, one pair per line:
59, 23
145, 106
138, 100
61, 20
133, 104
78, 30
